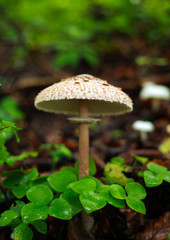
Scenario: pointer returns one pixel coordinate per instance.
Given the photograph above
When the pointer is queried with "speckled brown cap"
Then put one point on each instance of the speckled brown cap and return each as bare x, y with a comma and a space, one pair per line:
63, 97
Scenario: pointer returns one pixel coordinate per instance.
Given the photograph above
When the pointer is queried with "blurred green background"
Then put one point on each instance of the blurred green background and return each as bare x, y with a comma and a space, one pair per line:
80, 30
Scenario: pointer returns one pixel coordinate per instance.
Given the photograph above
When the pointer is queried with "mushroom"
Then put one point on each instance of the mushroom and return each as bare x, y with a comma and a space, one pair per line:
156, 93
143, 127
83, 95
168, 128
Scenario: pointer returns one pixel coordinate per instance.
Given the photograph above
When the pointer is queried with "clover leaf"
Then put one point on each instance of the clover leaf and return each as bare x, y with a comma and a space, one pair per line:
92, 201
83, 185
155, 174
39, 195
60, 180
7, 217
60, 208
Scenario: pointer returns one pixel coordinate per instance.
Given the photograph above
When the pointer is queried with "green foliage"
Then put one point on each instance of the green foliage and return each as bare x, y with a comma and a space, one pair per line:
135, 192
140, 159
22, 232
59, 181
114, 171
39, 195
40, 226
62, 196
19, 182
32, 212
118, 133
92, 201
60, 208
155, 175
84, 185
7, 217
5, 157
56, 151
10, 110
80, 31
151, 61
73, 199
8, 127
165, 147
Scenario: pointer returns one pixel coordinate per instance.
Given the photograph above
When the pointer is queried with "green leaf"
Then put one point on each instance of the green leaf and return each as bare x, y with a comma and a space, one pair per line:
92, 166
152, 180
17, 207
32, 212
64, 150
15, 172
166, 177
20, 191
11, 128
69, 58
60, 208
60, 180
156, 168
92, 201
40, 226
73, 199
22, 232
135, 190
118, 161
117, 191
141, 159
7, 217
111, 200
136, 204
2, 138
41, 180
39, 195
15, 178
68, 169
30, 176
165, 146
99, 184
12, 159
11, 181
84, 185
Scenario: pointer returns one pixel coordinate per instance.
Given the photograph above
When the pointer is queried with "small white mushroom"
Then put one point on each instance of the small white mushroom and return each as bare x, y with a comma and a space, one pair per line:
144, 127
156, 93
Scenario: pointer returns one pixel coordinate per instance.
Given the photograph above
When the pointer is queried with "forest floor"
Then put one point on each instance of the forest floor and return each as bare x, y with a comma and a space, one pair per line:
38, 127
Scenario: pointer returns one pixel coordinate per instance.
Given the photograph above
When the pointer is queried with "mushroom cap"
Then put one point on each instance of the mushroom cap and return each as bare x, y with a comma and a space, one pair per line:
143, 126
103, 98
154, 91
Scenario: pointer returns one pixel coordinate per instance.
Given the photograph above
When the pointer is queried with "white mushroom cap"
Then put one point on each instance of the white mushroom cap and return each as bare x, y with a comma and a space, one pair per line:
63, 97
154, 91
143, 126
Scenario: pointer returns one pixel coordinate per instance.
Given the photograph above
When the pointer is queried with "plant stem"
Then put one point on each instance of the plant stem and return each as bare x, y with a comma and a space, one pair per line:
83, 141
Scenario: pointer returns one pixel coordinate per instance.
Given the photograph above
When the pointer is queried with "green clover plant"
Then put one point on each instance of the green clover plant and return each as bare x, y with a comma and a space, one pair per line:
155, 175
60, 195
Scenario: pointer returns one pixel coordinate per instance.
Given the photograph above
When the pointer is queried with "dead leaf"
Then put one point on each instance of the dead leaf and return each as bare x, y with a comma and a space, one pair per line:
157, 229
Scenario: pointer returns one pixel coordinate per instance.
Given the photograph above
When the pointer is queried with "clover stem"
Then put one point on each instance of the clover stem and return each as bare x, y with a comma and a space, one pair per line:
83, 140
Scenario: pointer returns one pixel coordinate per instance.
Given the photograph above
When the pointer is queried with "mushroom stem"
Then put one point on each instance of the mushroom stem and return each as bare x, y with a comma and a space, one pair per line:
143, 136
156, 105
83, 141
